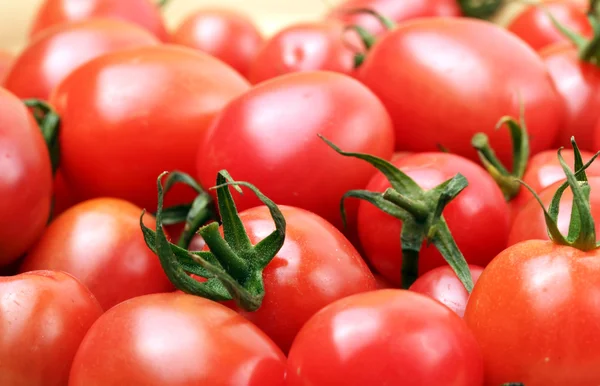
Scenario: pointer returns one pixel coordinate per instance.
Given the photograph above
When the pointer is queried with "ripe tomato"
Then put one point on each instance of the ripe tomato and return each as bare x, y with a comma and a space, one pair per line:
116, 140
63, 197
386, 337
54, 54
443, 82
44, 315
226, 35
142, 12
176, 339
100, 243
468, 215
25, 181
6, 61
275, 127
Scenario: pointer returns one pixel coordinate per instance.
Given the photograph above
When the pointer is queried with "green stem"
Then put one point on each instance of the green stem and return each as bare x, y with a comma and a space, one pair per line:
192, 227
480, 9
418, 209
49, 123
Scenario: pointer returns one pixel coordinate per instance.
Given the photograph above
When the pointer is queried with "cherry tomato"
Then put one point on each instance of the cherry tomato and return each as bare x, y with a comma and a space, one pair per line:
468, 216
226, 35
386, 337
25, 181
6, 61
116, 140
59, 50
142, 12
442, 82
44, 315
100, 243
176, 339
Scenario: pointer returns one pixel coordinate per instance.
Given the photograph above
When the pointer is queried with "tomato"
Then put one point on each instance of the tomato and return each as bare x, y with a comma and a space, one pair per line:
63, 197
59, 50
226, 35
25, 181
442, 82
6, 61
44, 315
386, 337
100, 243
307, 47
116, 140
176, 339
443, 285
142, 12
468, 216
269, 136
536, 29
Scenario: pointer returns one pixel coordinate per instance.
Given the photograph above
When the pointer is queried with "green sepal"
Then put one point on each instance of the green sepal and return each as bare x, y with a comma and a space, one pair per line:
49, 122
480, 9
386, 22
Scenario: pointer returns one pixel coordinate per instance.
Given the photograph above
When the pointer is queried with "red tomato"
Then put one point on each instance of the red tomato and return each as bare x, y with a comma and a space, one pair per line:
44, 315
536, 29
25, 181
54, 54
307, 47
142, 12
6, 61
443, 82
443, 285
468, 216
275, 127
386, 337
116, 140
226, 35
176, 339
100, 243
63, 197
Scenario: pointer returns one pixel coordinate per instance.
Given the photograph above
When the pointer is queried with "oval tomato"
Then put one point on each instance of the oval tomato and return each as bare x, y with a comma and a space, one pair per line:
6, 61
44, 315
59, 50
176, 339
100, 243
25, 181
116, 140
386, 337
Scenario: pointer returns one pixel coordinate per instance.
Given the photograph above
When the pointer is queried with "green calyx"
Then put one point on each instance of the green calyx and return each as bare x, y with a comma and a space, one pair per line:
49, 123
420, 212
480, 9
233, 267
507, 180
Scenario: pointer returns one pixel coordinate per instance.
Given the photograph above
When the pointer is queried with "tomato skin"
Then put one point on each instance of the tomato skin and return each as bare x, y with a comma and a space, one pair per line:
267, 125
59, 50
530, 300
468, 216
142, 12
99, 242
25, 181
426, 96
385, 337
226, 35
6, 61
150, 126
176, 339
63, 197
44, 315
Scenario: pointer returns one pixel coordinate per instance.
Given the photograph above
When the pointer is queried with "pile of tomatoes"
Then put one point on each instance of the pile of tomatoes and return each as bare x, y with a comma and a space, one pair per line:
401, 193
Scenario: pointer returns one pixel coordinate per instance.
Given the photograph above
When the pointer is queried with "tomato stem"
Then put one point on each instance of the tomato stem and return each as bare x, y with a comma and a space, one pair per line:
480, 9
49, 123
418, 209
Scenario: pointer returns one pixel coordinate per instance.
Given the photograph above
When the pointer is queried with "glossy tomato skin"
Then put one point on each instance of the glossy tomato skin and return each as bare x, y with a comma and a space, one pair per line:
385, 337
25, 181
275, 127
99, 242
307, 47
116, 140
468, 216
226, 35
59, 50
63, 196
142, 12
6, 60
176, 339
530, 301
44, 315
442, 82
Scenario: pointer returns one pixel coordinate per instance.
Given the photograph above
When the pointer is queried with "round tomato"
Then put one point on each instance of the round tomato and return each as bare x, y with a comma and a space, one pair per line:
6, 61
54, 54
176, 339
63, 197
25, 181
100, 243
386, 337
44, 315
442, 82
226, 35
116, 140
